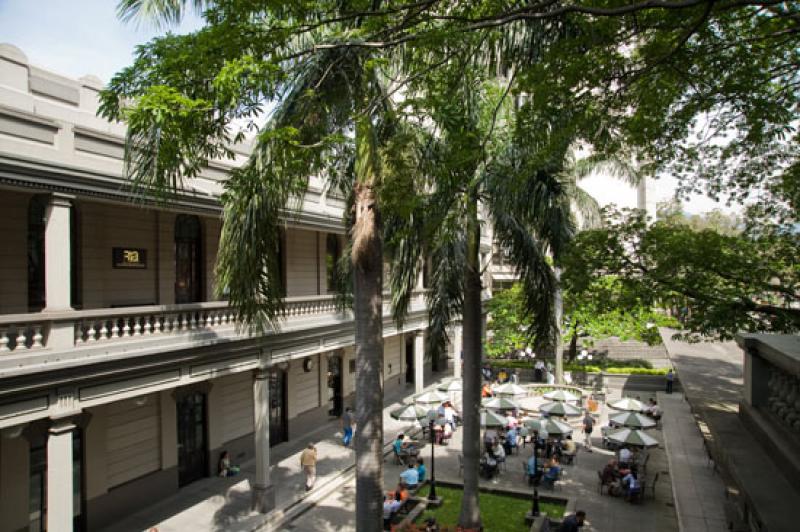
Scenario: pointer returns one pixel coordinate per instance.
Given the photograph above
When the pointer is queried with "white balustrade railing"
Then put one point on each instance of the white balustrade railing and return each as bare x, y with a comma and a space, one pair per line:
33, 331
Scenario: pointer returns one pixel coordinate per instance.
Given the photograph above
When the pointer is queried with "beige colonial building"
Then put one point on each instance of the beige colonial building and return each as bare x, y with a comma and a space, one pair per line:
122, 378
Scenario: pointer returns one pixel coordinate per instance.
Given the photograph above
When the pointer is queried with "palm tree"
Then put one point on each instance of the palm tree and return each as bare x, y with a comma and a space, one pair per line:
473, 163
332, 118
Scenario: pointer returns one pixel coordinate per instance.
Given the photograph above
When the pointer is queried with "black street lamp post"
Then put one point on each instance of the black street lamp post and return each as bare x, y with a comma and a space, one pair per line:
535, 507
432, 492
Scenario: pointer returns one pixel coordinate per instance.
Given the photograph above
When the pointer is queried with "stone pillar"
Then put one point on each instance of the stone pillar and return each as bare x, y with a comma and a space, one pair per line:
58, 268
59, 476
419, 362
57, 263
458, 347
263, 491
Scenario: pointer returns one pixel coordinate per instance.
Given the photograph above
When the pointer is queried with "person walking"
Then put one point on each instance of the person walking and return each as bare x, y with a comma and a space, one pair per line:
670, 380
308, 461
588, 427
347, 426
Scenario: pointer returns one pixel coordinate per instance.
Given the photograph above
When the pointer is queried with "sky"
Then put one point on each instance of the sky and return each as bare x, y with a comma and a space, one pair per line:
79, 37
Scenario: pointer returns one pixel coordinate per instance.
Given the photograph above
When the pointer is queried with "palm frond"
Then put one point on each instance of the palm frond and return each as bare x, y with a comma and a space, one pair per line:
159, 13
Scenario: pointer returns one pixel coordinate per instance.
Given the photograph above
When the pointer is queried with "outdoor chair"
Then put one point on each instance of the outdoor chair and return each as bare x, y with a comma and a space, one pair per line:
601, 484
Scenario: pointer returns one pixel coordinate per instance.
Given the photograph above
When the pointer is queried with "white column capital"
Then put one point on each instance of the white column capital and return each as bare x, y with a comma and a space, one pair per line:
59, 199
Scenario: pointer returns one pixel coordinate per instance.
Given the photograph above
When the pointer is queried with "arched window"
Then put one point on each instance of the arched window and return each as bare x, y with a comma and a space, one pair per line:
188, 259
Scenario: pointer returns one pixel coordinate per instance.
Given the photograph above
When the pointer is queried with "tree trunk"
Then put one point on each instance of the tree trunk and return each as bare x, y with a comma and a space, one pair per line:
470, 517
573, 344
367, 258
558, 305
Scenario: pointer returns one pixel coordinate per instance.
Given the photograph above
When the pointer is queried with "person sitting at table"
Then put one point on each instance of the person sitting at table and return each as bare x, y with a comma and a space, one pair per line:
422, 472
625, 457
611, 477
410, 477
450, 415
632, 485
510, 442
390, 507
438, 430
499, 453
569, 448
489, 437
402, 447
447, 433
400, 493
655, 411
552, 473
489, 464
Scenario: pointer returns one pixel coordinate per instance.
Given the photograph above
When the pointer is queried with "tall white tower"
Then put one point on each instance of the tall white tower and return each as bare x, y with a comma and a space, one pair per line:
646, 197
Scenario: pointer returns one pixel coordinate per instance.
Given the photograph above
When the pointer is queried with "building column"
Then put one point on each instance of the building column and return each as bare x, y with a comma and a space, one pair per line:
419, 362
57, 268
458, 347
263, 491
59, 476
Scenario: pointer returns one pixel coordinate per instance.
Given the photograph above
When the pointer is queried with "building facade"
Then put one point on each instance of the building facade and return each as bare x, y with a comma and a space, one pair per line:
122, 375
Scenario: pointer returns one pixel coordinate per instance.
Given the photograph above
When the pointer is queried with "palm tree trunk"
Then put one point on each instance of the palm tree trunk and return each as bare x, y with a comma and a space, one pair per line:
558, 305
367, 257
573, 344
470, 517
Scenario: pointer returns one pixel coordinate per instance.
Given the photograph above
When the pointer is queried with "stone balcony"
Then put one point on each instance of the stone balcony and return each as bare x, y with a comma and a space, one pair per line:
47, 340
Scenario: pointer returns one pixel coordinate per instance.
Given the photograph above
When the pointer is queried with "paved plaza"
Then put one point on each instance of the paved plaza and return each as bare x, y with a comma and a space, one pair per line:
688, 495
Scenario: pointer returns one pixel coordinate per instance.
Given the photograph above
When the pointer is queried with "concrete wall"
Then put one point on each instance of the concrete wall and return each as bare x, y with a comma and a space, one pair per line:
301, 263
13, 252
103, 227
133, 439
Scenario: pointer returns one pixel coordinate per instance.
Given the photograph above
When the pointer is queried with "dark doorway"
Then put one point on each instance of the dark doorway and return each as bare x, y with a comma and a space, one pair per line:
335, 385
37, 484
278, 429
192, 446
409, 359
188, 259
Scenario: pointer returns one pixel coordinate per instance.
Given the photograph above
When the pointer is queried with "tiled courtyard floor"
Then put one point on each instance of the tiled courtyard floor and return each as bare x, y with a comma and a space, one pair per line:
605, 513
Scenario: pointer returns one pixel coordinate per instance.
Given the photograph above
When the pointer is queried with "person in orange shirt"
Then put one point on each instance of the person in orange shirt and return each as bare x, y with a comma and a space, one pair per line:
486, 391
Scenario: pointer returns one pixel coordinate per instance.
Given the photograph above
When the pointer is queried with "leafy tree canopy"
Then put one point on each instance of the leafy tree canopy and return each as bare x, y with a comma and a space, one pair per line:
721, 283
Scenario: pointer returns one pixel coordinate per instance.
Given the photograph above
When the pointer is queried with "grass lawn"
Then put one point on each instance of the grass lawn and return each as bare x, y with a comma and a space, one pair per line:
499, 513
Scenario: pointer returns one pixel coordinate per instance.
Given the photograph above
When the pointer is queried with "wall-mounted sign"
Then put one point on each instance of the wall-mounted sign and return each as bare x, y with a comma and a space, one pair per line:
129, 258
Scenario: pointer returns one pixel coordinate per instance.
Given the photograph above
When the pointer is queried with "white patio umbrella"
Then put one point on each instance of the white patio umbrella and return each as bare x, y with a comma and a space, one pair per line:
490, 419
632, 420
509, 389
560, 409
560, 395
635, 438
410, 413
500, 403
627, 403
553, 427
431, 398
452, 386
